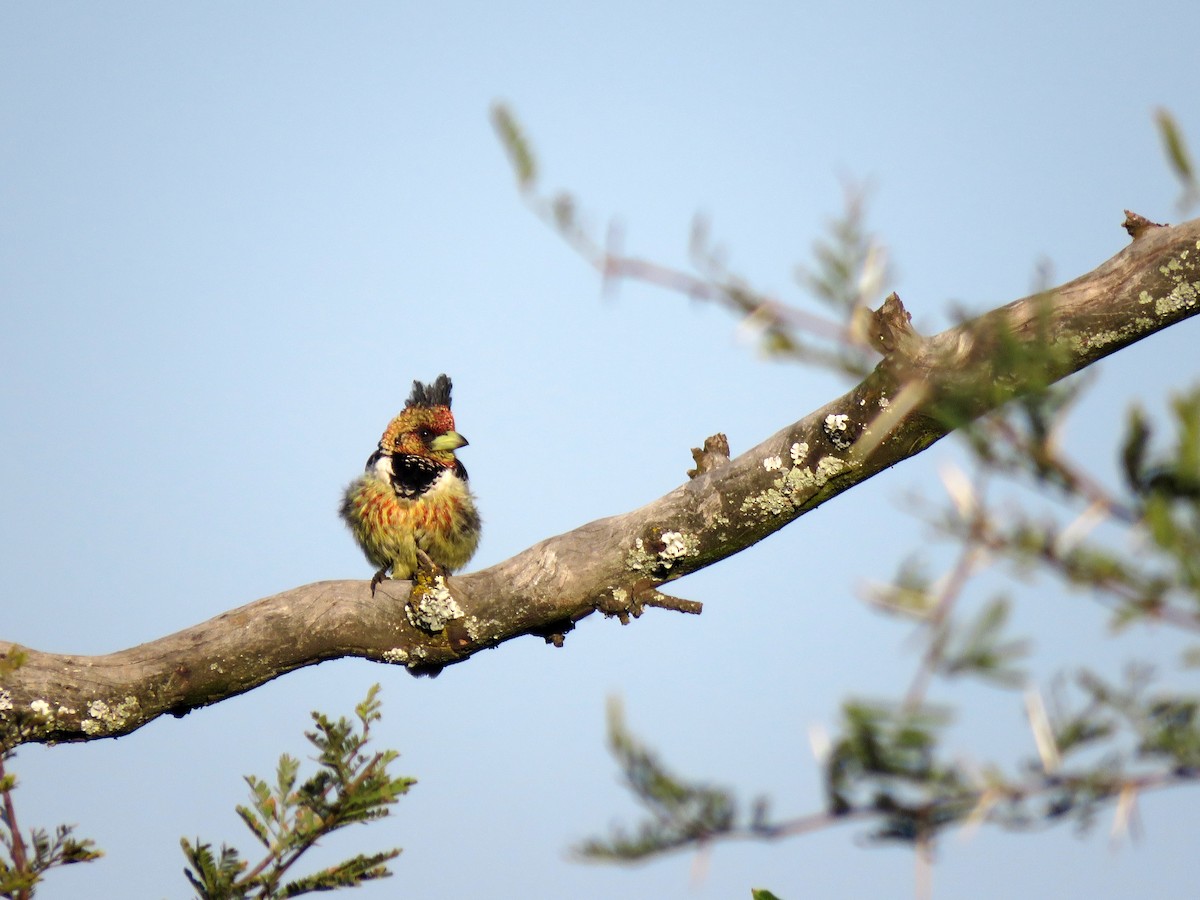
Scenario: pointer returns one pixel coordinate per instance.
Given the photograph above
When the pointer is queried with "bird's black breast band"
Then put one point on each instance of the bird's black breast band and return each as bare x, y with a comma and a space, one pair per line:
412, 476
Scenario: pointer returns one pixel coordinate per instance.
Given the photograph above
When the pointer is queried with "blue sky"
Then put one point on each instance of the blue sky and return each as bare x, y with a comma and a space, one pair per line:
235, 233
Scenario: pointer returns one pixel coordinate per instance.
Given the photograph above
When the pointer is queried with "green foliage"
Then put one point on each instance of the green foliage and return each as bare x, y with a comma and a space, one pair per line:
24, 860
13, 660
1021, 368
1178, 157
886, 761
850, 263
1162, 505
512, 137
1167, 490
681, 813
288, 818
980, 648
1165, 727
886, 766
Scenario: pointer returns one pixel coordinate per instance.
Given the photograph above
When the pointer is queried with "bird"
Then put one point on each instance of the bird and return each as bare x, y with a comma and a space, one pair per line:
412, 507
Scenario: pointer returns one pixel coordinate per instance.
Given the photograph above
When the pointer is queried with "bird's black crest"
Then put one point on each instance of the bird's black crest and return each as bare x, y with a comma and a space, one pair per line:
436, 394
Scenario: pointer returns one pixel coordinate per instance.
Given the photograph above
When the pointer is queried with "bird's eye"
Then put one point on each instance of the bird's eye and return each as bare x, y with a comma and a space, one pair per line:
424, 434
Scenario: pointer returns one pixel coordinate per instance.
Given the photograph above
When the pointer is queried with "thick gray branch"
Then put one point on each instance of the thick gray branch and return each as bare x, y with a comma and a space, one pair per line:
615, 565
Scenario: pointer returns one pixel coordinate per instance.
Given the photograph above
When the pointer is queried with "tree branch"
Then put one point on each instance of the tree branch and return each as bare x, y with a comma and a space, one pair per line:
917, 394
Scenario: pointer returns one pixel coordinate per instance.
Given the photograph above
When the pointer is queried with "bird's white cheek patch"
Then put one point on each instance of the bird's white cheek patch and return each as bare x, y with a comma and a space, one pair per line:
447, 482
383, 467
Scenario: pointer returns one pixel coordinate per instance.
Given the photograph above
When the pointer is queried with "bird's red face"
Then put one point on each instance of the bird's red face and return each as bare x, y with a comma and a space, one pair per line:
426, 431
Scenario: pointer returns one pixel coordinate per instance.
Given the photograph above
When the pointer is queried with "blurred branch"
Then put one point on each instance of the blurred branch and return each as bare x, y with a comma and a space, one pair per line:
886, 769
24, 860
849, 271
886, 764
1122, 740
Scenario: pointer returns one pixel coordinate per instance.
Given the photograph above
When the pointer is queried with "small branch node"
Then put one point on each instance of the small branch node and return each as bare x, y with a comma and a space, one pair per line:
624, 604
891, 330
715, 453
1137, 225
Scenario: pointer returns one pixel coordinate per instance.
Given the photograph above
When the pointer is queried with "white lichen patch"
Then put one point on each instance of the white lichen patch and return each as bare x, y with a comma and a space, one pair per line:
772, 463
768, 503
41, 709
103, 718
884, 402
5, 700
798, 452
837, 429
1184, 295
828, 467
1081, 342
639, 559
474, 626
794, 489
396, 656
433, 607
675, 546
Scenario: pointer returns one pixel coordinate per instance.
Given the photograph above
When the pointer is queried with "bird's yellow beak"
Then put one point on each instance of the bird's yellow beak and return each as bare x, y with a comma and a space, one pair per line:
451, 440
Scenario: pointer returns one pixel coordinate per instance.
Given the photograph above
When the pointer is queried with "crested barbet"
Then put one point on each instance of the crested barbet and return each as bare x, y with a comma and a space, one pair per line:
412, 507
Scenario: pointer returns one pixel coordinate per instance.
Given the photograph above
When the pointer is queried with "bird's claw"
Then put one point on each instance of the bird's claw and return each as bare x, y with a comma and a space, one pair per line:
424, 562
377, 578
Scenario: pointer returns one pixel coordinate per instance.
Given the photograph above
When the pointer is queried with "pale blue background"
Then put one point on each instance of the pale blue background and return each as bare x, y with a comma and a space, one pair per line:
232, 235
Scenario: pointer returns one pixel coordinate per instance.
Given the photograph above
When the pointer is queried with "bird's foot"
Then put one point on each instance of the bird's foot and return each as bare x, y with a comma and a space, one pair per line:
428, 565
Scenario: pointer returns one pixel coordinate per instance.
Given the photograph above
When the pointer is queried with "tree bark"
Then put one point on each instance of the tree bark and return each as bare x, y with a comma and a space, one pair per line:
616, 565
